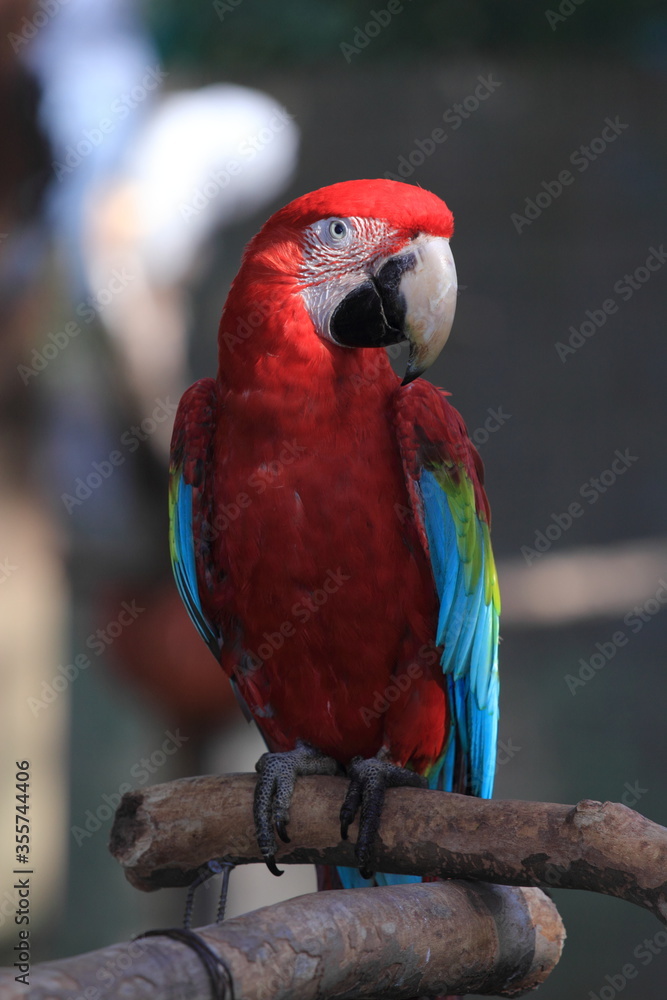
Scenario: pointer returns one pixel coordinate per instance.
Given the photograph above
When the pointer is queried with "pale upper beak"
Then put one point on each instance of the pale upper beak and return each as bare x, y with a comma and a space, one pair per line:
430, 290
410, 295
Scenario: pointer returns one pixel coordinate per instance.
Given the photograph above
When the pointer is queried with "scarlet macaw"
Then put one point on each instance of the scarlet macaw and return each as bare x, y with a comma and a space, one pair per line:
329, 526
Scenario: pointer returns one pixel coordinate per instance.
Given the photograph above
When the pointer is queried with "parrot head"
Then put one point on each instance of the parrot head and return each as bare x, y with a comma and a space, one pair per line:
371, 262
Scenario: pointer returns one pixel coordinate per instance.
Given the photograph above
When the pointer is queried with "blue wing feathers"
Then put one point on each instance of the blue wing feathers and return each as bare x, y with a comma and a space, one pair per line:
351, 879
190, 457
184, 561
468, 632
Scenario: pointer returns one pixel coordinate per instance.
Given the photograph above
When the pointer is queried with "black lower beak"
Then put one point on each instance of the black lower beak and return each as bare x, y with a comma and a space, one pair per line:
373, 314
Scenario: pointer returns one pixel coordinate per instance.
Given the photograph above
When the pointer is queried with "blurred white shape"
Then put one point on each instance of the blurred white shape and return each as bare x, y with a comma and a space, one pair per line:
591, 582
143, 179
88, 54
203, 159
90, 57
34, 709
206, 158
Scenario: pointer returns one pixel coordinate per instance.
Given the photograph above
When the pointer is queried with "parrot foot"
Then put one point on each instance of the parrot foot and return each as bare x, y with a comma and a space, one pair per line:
273, 793
369, 780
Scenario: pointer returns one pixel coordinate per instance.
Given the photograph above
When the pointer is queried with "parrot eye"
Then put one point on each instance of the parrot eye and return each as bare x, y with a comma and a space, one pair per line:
338, 230
334, 233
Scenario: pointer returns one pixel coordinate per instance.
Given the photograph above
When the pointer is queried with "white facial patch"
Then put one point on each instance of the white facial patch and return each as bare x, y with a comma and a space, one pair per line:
335, 264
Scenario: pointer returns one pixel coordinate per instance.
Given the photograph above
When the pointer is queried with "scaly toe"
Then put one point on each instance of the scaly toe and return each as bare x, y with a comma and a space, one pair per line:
369, 780
281, 829
273, 794
352, 800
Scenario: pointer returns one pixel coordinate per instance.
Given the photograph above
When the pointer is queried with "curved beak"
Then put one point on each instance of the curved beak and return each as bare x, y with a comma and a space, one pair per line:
408, 296
429, 290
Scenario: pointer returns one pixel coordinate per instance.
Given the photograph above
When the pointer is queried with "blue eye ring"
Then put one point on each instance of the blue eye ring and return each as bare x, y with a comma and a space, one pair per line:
338, 230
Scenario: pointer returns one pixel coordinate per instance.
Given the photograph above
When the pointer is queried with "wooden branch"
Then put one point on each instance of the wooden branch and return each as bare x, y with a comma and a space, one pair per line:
162, 834
400, 942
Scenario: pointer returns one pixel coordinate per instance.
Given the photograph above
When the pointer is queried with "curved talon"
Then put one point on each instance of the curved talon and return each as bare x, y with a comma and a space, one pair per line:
277, 774
350, 807
364, 847
369, 780
281, 830
271, 865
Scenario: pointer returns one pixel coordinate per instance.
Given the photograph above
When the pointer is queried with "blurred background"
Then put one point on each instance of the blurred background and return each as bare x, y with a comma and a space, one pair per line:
144, 145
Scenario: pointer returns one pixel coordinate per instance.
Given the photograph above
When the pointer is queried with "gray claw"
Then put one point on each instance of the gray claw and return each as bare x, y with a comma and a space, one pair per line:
369, 780
271, 865
273, 793
281, 830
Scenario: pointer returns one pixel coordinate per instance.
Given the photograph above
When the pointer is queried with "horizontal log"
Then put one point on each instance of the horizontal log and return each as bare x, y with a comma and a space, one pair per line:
162, 834
400, 942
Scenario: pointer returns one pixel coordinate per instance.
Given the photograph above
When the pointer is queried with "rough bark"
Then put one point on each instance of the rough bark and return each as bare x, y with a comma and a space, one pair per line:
162, 834
400, 942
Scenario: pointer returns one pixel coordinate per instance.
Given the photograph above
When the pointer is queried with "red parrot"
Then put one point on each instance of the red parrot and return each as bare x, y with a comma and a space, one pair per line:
329, 525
